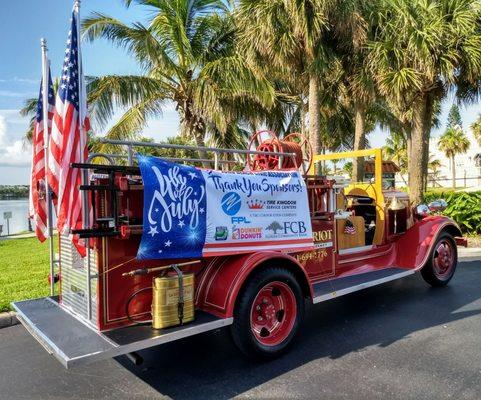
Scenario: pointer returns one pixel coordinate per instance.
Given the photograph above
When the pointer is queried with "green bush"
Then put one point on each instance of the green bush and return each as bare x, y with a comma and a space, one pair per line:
463, 207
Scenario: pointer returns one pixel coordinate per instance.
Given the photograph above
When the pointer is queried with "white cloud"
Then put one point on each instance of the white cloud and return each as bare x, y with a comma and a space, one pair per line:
11, 93
13, 152
20, 80
25, 80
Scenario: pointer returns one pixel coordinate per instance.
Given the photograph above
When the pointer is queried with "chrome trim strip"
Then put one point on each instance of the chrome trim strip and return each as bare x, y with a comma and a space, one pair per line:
342, 292
355, 249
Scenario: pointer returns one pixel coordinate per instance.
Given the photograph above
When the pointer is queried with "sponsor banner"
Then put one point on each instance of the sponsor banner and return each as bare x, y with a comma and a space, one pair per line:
189, 212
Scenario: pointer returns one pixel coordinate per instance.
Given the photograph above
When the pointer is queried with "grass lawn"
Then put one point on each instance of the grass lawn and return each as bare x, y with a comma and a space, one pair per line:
24, 268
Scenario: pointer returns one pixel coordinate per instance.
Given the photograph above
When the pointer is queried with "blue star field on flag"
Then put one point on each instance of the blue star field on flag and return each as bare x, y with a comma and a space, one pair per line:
51, 98
174, 210
69, 83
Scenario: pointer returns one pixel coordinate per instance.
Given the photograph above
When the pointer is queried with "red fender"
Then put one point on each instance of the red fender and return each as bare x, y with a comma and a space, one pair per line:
414, 246
220, 282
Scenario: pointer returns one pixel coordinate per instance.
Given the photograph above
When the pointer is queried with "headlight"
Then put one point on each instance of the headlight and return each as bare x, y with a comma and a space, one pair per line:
437, 205
422, 210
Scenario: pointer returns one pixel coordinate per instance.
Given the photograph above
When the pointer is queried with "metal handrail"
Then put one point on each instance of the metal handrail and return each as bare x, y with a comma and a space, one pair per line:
193, 148
217, 151
109, 157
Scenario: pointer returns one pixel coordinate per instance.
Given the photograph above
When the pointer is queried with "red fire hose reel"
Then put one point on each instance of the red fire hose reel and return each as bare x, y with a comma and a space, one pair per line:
267, 141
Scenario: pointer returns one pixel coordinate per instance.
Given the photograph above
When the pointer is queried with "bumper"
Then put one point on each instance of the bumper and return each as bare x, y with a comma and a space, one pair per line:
73, 342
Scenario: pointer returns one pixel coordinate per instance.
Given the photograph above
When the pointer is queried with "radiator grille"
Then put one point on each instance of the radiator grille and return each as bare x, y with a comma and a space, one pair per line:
74, 279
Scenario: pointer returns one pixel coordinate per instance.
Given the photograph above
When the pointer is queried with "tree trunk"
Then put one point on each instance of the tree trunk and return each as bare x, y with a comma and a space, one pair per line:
409, 147
428, 119
199, 141
453, 171
303, 115
416, 159
314, 115
359, 142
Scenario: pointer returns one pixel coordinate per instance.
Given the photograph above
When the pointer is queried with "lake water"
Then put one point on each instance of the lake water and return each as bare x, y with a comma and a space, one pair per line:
19, 220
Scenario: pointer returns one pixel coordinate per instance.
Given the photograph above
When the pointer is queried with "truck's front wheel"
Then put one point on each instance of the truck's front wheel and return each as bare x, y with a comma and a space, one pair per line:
268, 312
440, 267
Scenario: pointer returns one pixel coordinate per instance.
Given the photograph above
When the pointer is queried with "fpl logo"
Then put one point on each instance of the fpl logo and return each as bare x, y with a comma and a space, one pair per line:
231, 203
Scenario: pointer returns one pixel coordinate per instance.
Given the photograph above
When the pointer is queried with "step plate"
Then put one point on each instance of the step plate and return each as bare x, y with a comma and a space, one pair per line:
333, 288
73, 342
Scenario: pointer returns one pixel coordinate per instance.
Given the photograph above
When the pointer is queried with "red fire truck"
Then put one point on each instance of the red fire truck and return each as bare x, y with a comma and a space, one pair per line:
110, 303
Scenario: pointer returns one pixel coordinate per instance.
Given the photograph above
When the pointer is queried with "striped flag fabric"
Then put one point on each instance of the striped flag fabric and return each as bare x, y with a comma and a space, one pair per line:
68, 141
37, 200
349, 228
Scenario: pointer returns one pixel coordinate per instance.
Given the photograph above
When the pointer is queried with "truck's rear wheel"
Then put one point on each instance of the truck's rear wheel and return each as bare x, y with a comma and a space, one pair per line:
268, 313
441, 265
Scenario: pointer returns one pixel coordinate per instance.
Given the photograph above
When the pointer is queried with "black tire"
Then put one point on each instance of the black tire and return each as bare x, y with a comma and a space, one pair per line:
242, 331
430, 272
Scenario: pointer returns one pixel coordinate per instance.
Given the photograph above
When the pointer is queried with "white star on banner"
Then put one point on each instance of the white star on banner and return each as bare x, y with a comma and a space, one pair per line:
181, 224
192, 175
153, 231
201, 210
156, 210
168, 243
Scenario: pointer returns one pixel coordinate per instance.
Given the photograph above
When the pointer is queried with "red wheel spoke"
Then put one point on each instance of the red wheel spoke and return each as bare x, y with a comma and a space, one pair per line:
273, 313
444, 260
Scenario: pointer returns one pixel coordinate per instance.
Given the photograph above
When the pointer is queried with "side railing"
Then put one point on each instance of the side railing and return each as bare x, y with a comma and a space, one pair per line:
217, 152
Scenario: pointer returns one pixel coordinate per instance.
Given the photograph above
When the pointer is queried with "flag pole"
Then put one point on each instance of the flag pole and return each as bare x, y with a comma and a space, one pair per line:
46, 140
85, 211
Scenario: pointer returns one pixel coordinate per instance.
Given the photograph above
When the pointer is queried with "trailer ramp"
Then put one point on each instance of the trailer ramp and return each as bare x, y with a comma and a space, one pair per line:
74, 343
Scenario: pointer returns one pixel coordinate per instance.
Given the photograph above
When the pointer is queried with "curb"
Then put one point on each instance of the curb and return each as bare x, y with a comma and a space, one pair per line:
8, 319
469, 254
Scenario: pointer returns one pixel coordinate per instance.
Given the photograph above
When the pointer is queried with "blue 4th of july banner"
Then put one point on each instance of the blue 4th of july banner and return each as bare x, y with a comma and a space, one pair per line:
174, 215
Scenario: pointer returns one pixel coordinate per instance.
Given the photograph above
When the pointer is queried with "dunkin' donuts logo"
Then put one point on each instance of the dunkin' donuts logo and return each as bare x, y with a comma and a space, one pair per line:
246, 233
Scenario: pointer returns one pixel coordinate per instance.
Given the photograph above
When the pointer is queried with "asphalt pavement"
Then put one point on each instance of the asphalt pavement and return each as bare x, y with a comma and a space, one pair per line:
401, 340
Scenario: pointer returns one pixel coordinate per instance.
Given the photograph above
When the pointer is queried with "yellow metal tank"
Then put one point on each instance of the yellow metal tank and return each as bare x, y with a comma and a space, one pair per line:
165, 301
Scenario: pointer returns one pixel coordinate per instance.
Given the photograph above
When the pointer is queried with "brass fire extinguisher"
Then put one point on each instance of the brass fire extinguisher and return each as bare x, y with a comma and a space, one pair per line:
172, 299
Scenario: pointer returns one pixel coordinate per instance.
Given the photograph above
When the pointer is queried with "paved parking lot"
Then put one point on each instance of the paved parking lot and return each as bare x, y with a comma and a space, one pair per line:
401, 340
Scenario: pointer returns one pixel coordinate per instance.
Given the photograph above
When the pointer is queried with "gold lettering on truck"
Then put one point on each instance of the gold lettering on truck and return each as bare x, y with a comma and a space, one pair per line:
322, 236
322, 240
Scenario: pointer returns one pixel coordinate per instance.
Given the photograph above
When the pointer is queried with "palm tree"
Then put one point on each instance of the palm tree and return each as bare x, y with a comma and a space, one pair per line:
453, 142
418, 49
294, 40
30, 110
347, 168
396, 151
188, 56
360, 89
434, 166
476, 129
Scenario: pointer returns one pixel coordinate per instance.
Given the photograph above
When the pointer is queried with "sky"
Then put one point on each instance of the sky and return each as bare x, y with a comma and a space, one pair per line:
23, 23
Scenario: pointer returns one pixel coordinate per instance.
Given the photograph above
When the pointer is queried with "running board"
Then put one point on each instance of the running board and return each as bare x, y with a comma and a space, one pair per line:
331, 289
75, 343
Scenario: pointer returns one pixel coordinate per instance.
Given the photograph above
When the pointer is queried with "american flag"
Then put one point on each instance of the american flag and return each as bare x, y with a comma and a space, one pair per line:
38, 202
349, 228
68, 141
